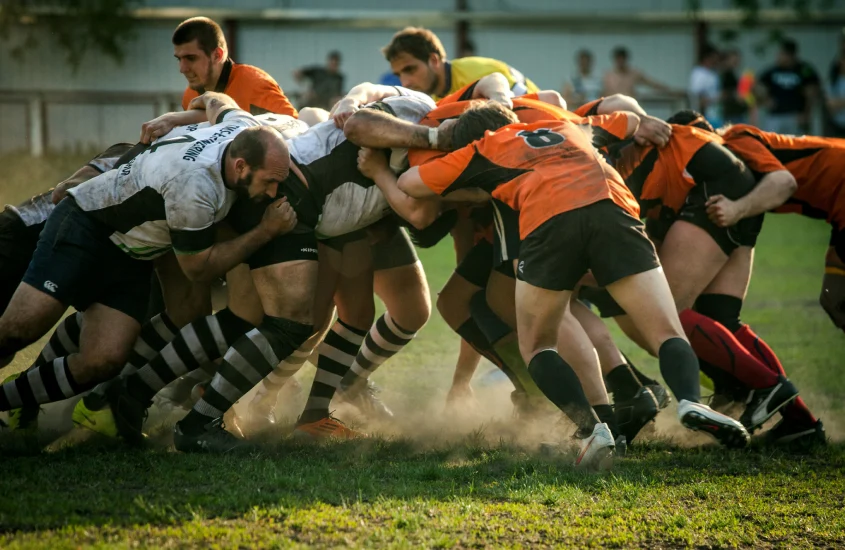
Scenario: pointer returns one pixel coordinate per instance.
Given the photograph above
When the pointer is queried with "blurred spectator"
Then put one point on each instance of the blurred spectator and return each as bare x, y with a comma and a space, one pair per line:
836, 94
787, 91
623, 79
704, 86
738, 105
389, 79
583, 87
326, 83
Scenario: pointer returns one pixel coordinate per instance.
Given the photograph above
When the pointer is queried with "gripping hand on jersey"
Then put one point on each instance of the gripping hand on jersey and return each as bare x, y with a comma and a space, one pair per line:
161, 126
653, 131
372, 162
279, 218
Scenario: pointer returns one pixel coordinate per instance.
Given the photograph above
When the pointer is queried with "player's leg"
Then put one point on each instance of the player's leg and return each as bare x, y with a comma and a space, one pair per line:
832, 297
287, 292
399, 280
722, 302
345, 276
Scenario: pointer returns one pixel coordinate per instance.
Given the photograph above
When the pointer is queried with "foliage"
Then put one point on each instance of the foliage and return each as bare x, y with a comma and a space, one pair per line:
77, 27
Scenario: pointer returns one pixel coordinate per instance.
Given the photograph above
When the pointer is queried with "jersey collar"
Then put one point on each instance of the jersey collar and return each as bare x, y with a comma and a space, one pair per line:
447, 70
223, 81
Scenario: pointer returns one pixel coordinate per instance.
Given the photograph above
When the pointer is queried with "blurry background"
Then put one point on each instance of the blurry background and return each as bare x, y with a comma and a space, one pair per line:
62, 91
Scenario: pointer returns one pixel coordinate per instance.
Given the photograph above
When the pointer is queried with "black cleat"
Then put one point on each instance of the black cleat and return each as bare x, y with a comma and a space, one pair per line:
791, 434
129, 413
633, 414
763, 404
701, 418
363, 395
213, 439
662, 396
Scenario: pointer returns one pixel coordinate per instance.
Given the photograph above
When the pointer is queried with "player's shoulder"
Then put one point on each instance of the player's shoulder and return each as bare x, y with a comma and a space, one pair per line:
478, 62
243, 71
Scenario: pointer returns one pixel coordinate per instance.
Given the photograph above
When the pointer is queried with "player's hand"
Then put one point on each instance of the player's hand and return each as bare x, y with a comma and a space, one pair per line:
59, 193
461, 399
652, 131
504, 98
156, 128
279, 217
344, 109
371, 162
722, 211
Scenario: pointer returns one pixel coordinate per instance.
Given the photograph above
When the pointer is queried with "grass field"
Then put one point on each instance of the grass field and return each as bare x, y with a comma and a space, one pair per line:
437, 482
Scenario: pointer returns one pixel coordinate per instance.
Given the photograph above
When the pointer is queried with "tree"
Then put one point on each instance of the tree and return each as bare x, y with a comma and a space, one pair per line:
77, 26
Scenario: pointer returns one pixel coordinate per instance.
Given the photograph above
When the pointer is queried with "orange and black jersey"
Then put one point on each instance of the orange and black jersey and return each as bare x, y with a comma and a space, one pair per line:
527, 108
818, 165
252, 89
658, 177
540, 170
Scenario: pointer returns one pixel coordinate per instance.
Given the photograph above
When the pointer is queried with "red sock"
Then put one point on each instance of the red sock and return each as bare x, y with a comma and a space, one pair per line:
715, 344
797, 410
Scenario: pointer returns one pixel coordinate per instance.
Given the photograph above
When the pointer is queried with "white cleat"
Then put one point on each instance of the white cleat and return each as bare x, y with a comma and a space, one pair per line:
699, 417
597, 450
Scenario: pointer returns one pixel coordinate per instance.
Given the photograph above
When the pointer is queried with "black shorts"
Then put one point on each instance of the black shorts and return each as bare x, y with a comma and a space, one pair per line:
837, 241
17, 244
299, 244
601, 237
396, 250
717, 171
478, 264
76, 263
506, 240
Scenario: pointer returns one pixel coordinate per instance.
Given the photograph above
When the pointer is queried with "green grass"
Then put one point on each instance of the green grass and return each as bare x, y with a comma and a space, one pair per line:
437, 482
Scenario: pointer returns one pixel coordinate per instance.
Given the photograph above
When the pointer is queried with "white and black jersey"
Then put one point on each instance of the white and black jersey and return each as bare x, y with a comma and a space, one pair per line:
36, 210
170, 195
344, 199
287, 126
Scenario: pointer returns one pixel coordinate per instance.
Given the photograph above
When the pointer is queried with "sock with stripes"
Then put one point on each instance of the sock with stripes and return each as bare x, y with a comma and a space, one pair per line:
47, 383
337, 353
154, 336
252, 357
63, 342
200, 342
274, 381
385, 339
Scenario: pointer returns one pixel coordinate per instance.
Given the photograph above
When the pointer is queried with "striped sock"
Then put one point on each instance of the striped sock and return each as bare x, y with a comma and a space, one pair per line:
63, 342
337, 354
47, 383
200, 342
252, 357
274, 381
384, 340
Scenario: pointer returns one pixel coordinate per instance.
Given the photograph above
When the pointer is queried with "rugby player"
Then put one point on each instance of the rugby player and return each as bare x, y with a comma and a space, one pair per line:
326, 196
167, 198
516, 164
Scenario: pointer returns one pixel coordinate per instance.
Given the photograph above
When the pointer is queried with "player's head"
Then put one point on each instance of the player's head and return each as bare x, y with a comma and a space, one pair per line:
688, 117
788, 52
260, 160
333, 61
732, 59
479, 118
708, 56
620, 57
200, 47
584, 59
417, 57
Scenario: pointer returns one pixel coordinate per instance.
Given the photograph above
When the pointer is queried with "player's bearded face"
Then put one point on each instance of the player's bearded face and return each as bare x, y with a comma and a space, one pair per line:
244, 187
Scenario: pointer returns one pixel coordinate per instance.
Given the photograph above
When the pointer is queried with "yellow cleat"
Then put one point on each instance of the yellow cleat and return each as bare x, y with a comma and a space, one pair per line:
101, 422
25, 418
325, 428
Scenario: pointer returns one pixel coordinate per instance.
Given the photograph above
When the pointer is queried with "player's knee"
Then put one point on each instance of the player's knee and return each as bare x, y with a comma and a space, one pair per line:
99, 366
15, 336
414, 313
452, 307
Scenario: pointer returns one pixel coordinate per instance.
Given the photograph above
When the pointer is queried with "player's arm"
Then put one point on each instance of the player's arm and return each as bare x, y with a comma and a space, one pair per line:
379, 130
190, 220
773, 189
357, 97
418, 212
651, 131
163, 124
80, 176
450, 178
494, 86
213, 104
612, 128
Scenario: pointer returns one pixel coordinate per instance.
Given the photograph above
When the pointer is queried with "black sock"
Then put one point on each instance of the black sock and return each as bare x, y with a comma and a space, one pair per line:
560, 384
721, 308
622, 382
644, 380
493, 328
606, 415
679, 367
473, 336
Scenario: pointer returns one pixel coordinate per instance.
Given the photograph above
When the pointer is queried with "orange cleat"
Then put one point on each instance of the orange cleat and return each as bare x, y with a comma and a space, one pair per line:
327, 427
